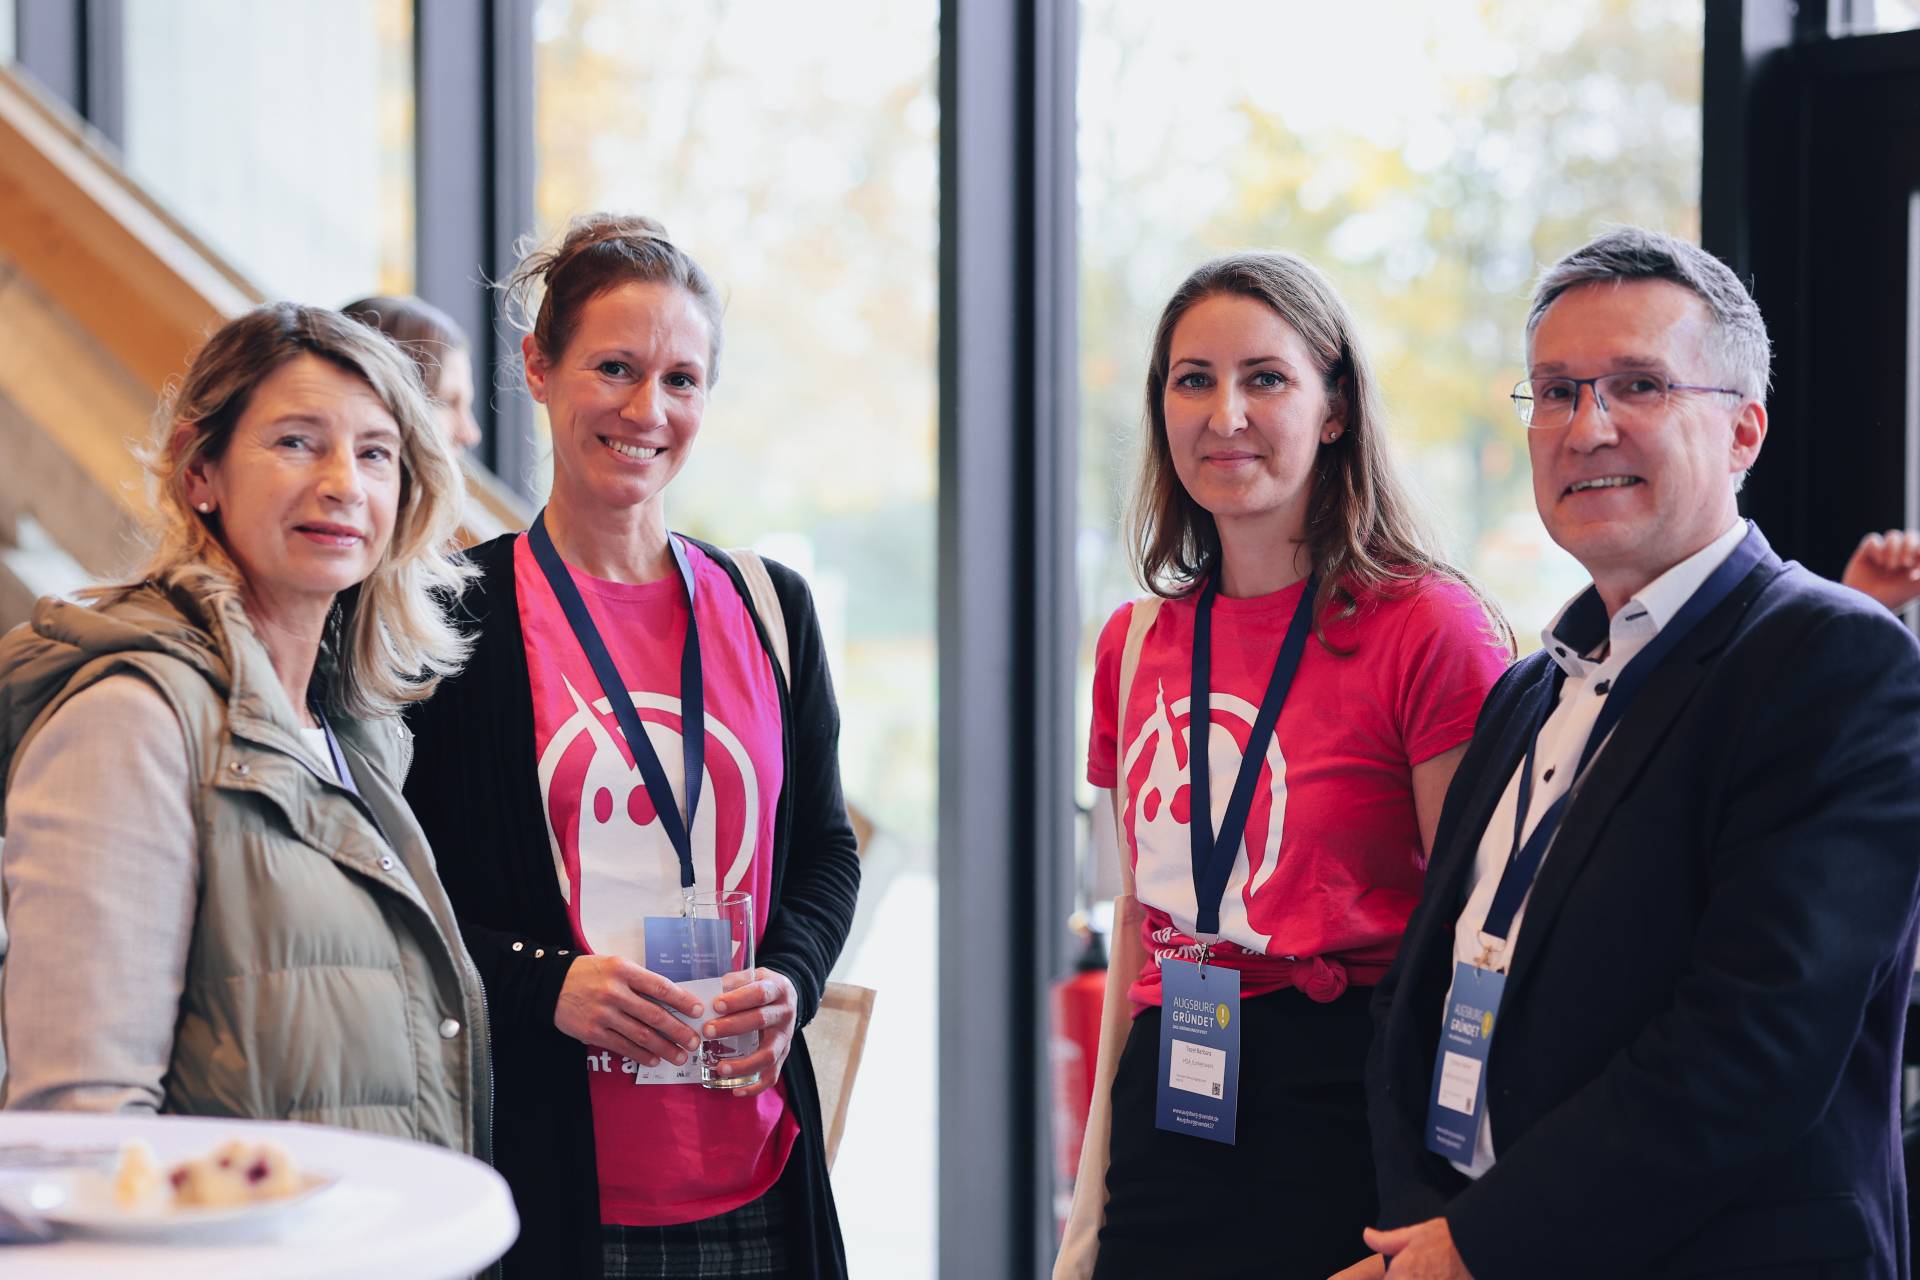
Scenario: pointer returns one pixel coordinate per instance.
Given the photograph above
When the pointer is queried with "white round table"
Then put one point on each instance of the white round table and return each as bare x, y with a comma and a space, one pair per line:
399, 1209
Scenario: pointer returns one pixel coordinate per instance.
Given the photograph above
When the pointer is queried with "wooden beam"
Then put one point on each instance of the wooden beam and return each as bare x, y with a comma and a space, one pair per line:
97, 247
105, 297
69, 418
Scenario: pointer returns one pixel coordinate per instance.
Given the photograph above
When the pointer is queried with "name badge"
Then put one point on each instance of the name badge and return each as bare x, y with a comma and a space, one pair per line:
672, 946
675, 945
1458, 1102
1199, 1050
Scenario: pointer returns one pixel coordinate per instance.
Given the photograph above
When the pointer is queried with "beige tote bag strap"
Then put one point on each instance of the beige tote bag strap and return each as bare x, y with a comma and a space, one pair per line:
1125, 955
766, 605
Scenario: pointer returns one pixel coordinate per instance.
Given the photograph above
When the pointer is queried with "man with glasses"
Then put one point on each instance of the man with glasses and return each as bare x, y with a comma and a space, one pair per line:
1647, 1018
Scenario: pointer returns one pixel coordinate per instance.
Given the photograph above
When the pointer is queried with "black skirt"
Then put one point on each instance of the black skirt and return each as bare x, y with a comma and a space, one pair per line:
1289, 1198
750, 1243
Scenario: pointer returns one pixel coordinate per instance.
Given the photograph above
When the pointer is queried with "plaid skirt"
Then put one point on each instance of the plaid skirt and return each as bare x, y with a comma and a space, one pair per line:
746, 1244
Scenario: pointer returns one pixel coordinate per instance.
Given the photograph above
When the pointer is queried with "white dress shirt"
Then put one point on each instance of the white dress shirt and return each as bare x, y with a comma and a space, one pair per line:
1589, 678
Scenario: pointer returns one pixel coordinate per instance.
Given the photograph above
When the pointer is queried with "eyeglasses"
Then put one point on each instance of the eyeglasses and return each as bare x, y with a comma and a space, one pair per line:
1631, 396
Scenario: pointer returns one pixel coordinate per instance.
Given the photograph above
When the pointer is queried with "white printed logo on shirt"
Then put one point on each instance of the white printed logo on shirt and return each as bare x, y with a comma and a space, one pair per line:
628, 867
1163, 875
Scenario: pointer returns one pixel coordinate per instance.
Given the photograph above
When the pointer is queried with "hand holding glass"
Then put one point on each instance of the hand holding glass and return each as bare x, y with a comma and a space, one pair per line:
730, 959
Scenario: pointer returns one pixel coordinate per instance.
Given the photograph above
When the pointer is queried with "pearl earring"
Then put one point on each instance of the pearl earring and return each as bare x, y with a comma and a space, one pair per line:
204, 508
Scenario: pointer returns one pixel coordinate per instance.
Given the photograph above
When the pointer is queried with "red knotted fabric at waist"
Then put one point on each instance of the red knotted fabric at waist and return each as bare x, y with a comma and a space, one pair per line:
1322, 979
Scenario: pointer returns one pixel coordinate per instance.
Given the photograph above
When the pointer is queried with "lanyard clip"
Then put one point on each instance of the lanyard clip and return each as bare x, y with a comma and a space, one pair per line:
1206, 954
1489, 946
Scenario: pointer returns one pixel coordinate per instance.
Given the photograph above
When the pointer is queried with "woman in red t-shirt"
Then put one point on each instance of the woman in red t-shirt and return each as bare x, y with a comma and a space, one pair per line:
1266, 474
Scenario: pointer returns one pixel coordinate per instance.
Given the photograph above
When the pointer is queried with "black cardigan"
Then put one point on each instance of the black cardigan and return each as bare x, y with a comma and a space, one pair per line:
474, 788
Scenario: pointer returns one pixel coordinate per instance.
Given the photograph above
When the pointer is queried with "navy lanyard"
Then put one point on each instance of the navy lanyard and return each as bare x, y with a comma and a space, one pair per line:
1213, 855
342, 774
693, 716
1523, 859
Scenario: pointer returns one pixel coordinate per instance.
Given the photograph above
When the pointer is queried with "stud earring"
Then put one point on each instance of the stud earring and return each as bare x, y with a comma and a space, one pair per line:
204, 508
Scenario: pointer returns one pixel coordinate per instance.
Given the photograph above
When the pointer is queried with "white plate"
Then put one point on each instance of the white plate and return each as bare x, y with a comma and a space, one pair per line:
82, 1200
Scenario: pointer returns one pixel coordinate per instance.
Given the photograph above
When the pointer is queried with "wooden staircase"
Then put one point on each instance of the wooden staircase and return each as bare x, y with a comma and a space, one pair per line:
104, 296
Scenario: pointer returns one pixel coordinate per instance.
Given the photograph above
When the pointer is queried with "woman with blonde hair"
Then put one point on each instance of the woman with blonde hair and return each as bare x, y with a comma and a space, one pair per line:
1302, 615
216, 900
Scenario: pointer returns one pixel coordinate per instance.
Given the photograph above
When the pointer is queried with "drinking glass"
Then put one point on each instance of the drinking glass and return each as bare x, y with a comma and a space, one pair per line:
724, 950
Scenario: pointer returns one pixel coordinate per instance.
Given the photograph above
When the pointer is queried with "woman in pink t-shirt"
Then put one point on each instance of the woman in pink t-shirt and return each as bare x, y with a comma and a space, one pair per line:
563, 853
1266, 500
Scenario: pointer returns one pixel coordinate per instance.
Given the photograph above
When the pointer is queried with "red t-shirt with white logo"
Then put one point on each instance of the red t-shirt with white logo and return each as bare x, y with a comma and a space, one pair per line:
667, 1153
1331, 864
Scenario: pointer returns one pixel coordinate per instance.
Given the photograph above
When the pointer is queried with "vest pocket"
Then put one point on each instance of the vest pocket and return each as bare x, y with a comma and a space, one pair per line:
295, 1043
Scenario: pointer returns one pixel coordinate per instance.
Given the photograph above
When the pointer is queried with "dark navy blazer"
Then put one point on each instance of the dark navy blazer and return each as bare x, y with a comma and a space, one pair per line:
1697, 1061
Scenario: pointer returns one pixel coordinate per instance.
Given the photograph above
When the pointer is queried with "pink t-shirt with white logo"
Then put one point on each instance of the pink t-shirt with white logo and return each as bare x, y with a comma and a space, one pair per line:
666, 1153
1331, 864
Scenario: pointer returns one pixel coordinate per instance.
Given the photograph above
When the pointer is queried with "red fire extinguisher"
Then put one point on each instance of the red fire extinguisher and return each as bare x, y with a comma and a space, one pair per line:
1074, 1045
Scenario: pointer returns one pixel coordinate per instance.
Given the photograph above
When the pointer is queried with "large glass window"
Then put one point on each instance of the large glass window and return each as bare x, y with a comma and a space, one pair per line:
282, 133
793, 150
1429, 156
1866, 17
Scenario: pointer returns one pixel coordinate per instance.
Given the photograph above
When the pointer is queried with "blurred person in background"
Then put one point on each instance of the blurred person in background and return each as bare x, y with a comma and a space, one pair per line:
1290, 574
216, 901
438, 347
558, 843
1886, 566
